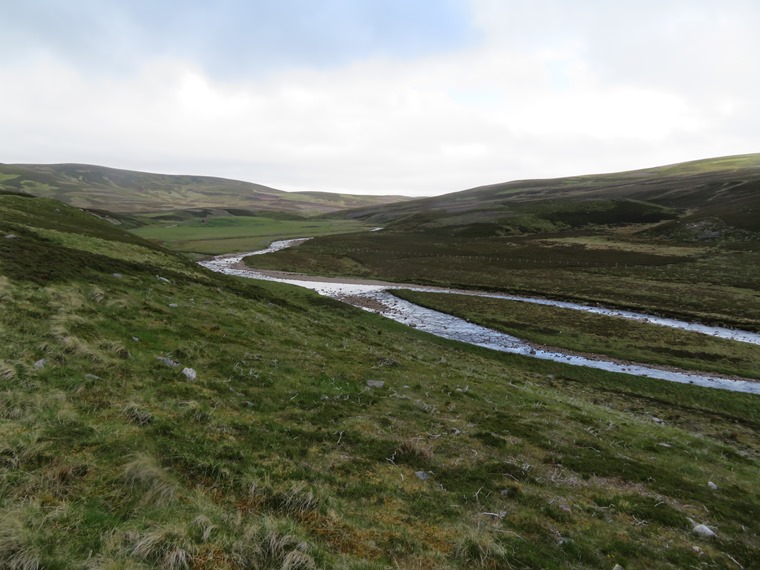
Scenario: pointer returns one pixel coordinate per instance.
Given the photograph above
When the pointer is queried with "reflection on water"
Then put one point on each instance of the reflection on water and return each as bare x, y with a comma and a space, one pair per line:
376, 297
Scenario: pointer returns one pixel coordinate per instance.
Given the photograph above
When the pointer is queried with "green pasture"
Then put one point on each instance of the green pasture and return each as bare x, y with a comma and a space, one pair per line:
226, 234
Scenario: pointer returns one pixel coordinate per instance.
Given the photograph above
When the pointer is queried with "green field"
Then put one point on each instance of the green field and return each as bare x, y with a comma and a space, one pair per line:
228, 234
278, 454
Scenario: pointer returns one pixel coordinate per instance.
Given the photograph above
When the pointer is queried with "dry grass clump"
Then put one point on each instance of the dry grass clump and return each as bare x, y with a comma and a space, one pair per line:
412, 450
271, 544
296, 500
478, 549
7, 371
137, 415
145, 473
168, 547
17, 552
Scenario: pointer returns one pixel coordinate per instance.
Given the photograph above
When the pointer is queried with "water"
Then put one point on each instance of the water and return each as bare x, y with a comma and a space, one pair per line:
375, 296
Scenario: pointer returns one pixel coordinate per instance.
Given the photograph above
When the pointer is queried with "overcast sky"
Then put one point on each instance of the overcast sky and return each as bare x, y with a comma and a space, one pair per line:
414, 97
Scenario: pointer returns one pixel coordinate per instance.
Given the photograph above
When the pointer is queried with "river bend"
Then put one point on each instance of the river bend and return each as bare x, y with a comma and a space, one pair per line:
375, 296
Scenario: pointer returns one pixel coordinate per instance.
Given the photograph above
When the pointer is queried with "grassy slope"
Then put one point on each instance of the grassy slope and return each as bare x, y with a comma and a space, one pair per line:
125, 191
723, 189
279, 455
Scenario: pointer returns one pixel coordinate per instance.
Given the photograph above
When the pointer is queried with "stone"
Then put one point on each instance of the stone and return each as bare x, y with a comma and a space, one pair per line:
92, 377
712, 486
375, 383
703, 531
167, 361
40, 363
422, 475
189, 373
117, 275
173, 305
617, 567
162, 279
10, 236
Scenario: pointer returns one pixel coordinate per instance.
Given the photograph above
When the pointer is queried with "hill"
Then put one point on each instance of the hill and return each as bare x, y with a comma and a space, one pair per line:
702, 198
130, 192
156, 415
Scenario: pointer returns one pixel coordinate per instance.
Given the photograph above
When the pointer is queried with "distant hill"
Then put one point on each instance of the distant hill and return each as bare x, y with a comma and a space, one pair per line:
708, 196
131, 192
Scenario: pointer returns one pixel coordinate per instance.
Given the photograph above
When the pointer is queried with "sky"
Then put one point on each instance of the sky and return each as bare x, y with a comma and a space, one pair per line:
412, 97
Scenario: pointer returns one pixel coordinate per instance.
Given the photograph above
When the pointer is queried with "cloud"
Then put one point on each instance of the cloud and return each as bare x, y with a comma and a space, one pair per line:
526, 89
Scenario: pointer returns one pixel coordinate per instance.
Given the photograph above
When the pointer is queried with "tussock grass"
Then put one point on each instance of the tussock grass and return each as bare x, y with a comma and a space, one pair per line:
158, 487
137, 415
7, 371
480, 549
18, 550
168, 547
271, 543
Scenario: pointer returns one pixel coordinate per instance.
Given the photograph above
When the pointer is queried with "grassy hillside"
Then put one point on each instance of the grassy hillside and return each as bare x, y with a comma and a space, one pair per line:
716, 195
155, 415
126, 191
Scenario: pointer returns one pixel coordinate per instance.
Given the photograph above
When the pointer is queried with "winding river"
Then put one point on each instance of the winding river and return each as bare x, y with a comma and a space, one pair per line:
375, 296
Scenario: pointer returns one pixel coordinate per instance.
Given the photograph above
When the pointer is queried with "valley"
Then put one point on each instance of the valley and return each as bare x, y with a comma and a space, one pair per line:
156, 414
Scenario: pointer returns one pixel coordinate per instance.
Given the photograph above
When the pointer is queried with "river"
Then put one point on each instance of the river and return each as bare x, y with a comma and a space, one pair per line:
375, 296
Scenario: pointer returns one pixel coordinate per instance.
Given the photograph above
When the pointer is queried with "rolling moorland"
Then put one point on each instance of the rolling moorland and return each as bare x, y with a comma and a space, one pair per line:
194, 214
682, 240
130, 192
157, 415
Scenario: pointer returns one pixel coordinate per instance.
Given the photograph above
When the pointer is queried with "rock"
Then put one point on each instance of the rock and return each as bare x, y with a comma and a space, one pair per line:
703, 531
117, 275
422, 475
658, 421
617, 567
40, 363
712, 485
375, 383
167, 361
661, 444
162, 279
136, 338
697, 550
92, 377
10, 236
189, 373
173, 305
